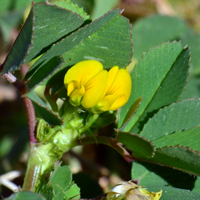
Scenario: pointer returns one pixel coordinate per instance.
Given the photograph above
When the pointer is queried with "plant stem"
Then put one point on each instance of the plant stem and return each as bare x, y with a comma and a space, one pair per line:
111, 142
21, 87
40, 163
34, 167
31, 119
32, 172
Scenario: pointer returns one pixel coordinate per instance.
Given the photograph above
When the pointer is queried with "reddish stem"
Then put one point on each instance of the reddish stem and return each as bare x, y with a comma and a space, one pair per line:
28, 104
31, 119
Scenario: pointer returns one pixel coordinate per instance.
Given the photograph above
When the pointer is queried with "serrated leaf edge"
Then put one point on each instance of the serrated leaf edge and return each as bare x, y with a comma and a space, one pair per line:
141, 137
50, 4
32, 39
77, 7
165, 108
83, 39
158, 163
189, 73
180, 146
2, 65
154, 47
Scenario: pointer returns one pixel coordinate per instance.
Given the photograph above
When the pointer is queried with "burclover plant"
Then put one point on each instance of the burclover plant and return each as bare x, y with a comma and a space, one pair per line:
82, 64
88, 98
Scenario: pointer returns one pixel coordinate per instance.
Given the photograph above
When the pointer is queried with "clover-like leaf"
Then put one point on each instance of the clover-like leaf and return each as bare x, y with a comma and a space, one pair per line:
45, 25
160, 78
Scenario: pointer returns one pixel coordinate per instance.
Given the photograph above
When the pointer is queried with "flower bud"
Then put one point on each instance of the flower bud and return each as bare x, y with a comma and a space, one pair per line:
129, 190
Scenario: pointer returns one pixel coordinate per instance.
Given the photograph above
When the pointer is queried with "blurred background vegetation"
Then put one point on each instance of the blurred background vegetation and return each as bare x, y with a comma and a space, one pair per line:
154, 22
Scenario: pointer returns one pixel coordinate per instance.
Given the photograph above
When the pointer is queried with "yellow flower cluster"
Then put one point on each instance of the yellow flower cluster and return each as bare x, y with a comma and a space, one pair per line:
96, 89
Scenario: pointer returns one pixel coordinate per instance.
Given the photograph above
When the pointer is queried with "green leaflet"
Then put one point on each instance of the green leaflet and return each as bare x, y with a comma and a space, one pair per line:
160, 78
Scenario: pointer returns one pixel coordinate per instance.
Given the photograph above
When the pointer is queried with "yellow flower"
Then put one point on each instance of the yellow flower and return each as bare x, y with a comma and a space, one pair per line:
89, 85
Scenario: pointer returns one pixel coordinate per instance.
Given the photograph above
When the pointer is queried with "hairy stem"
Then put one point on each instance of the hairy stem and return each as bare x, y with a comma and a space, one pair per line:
31, 119
21, 87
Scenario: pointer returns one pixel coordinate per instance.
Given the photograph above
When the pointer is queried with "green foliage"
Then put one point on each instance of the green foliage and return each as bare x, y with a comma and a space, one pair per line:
190, 139
25, 195
197, 185
179, 116
152, 174
101, 40
20, 47
45, 71
160, 131
160, 78
104, 119
154, 30
87, 5
67, 4
61, 186
42, 109
171, 193
175, 125
11, 13
51, 23
133, 109
178, 157
139, 145
44, 21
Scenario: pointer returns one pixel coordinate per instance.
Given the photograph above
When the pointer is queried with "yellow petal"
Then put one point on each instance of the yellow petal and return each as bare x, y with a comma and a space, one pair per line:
153, 195
95, 89
119, 102
71, 87
121, 86
76, 96
92, 87
106, 103
111, 77
156, 195
83, 71
121, 83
